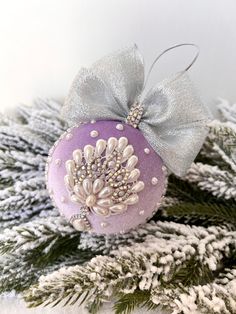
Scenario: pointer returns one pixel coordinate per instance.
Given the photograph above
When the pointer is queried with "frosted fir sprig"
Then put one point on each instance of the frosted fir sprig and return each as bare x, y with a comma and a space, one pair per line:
216, 297
173, 264
19, 273
40, 246
31, 235
44, 112
143, 266
25, 140
108, 243
23, 200
34, 129
210, 299
227, 111
220, 146
219, 182
17, 165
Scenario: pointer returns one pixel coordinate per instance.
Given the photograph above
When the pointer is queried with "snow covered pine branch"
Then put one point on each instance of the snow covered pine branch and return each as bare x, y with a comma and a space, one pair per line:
184, 259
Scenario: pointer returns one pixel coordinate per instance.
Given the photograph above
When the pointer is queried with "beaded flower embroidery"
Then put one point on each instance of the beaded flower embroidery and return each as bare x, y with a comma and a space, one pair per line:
103, 179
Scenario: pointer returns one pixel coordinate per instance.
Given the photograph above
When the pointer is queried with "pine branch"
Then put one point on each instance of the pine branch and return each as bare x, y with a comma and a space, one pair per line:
23, 200
35, 248
126, 303
210, 178
44, 239
160, 260
16, 165
216, 213
19, 273
197, 298
108, 243
185, 191
213, 298
159, 263
24, 144
227, 111
220, 147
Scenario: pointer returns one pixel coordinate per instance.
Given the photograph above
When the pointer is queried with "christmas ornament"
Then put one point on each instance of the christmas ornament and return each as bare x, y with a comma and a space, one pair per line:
107, 172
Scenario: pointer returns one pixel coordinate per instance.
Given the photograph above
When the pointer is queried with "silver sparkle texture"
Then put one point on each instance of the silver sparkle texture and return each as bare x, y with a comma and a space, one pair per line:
173, 121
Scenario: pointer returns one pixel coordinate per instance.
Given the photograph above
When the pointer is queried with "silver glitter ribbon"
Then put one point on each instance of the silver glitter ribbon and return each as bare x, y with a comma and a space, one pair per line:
173, 120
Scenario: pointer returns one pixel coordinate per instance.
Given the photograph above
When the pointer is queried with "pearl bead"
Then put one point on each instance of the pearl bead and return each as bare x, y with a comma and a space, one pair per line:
94, 133
164, 168
80, 224
69, 136
63, 199
120, 127
146, 151
58, 162
154, 181
91, 200
104, 224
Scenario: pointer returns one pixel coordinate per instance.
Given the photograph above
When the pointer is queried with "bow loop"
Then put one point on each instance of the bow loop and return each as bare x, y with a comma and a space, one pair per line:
171, 115
174, 122
108, 89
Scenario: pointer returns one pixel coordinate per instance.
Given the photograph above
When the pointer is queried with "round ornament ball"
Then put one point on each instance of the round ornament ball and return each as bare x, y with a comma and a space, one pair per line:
105, 178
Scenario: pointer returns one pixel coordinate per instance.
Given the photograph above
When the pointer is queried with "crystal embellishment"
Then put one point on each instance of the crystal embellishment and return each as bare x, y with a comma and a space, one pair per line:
134, 115
80, 221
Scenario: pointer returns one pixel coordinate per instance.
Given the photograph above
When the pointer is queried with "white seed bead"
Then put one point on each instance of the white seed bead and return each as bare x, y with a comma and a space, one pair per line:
58, 162
146, 151
56, 143
120, 127
164, 168
141, 212
93, 121
94, 133
63, 199
154, 181
51, 151
104, 224
69, 136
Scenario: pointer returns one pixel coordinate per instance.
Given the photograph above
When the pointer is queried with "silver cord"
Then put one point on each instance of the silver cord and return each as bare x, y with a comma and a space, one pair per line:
171, 48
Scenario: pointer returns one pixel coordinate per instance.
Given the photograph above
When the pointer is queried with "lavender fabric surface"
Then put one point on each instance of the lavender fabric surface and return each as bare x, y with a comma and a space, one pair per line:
150, 165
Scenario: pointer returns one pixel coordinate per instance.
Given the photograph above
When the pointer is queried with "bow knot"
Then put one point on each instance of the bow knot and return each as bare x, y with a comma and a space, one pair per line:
171, 116
134, 115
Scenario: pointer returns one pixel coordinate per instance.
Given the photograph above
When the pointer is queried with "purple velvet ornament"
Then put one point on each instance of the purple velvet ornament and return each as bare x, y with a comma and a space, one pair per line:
141, 197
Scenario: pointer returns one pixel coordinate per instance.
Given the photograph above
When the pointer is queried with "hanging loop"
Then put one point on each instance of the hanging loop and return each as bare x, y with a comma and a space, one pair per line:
171, 48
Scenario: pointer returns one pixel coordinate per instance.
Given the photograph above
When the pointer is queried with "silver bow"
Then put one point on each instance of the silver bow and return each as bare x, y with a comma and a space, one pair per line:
173, 120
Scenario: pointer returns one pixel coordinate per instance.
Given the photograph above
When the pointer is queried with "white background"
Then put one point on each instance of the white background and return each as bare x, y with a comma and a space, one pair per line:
43, 43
